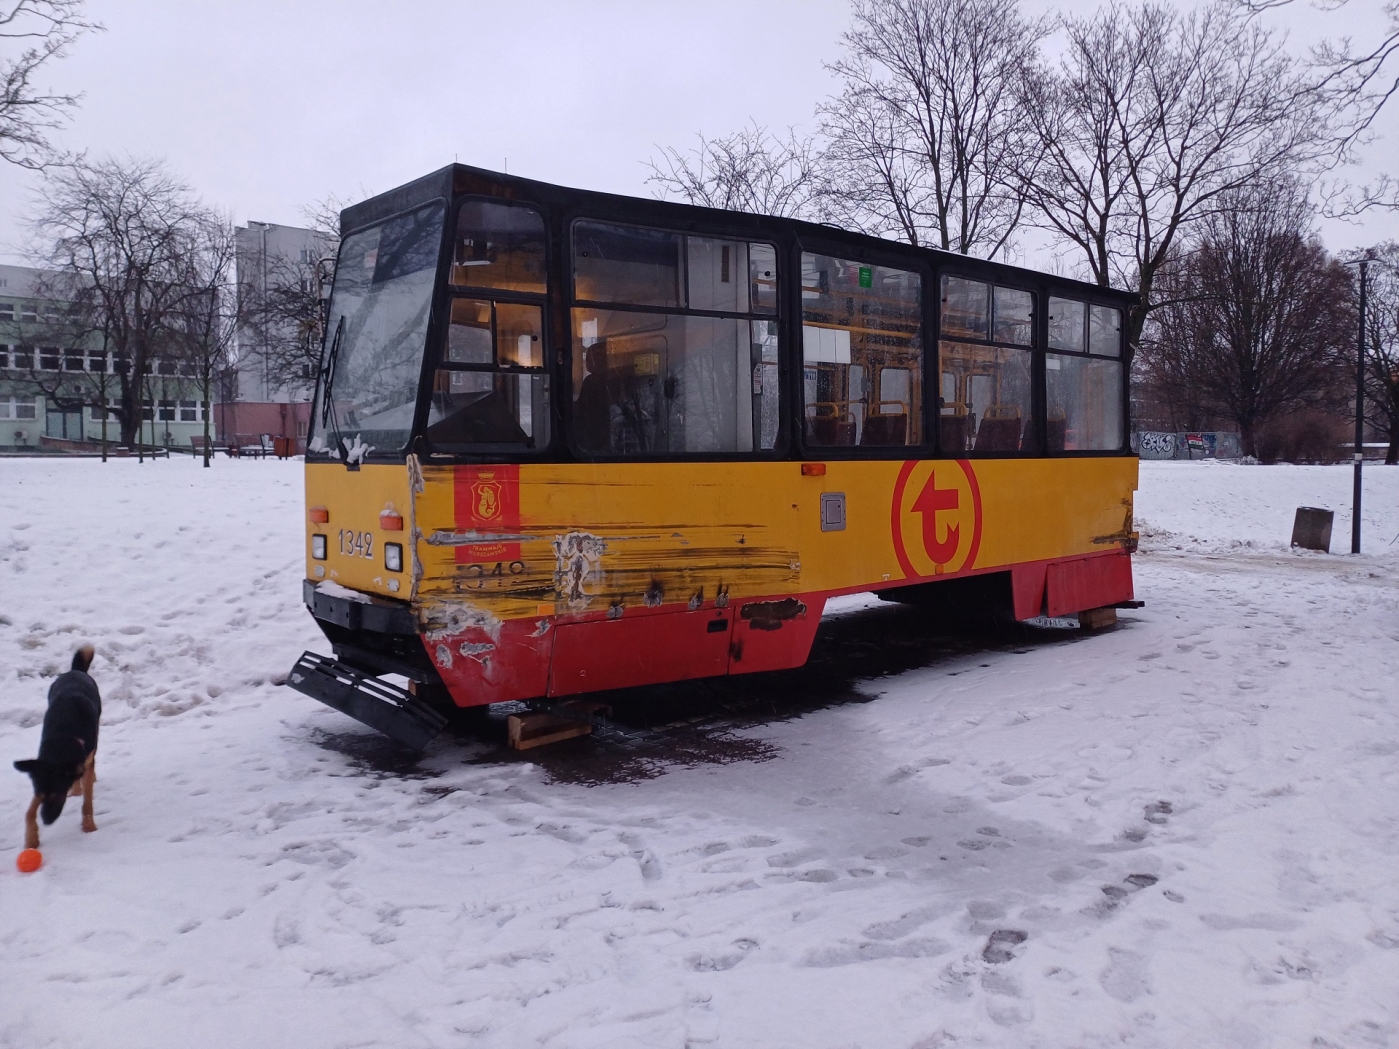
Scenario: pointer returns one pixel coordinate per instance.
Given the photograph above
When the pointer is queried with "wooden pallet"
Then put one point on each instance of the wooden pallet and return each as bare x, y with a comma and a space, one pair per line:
527, 731
1098, 618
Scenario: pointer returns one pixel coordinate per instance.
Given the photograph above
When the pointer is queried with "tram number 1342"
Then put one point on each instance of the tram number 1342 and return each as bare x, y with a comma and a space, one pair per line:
357, 544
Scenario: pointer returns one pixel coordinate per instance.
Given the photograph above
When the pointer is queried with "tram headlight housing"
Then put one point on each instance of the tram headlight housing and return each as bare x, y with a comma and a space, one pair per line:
318, 547
393, 557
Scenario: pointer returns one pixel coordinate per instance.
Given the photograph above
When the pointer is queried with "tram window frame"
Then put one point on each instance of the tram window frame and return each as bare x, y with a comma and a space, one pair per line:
1029, 438
437, 360
861, 251
774, 371
436, 294
1087, 357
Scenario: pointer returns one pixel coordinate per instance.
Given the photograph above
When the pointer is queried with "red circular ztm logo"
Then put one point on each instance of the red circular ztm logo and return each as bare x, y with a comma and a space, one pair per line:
936, 517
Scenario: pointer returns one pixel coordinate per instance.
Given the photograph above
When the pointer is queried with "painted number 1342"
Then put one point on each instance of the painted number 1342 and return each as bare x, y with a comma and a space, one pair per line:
357, 544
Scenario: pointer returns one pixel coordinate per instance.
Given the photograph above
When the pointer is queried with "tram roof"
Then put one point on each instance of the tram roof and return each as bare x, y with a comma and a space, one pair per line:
456, 180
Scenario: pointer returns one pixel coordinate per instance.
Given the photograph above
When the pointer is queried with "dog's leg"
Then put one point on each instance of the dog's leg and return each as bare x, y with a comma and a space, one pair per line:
31, 824
89, 779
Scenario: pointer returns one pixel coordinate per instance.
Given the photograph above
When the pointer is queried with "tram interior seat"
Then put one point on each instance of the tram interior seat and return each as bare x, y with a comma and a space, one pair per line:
834, 428
1055, 427
999, 429
886, 429
952, 427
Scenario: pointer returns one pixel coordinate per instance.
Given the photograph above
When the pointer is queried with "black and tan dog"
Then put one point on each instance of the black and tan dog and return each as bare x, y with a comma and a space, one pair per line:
66, 764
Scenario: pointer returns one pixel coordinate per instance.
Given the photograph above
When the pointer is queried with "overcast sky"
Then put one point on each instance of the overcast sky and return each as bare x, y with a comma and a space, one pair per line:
265, 107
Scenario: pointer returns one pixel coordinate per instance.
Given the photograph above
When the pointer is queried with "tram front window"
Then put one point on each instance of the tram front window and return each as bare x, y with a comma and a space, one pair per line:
378, 333
490, 386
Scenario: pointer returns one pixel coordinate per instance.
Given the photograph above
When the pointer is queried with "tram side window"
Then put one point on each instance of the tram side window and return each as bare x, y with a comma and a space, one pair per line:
673, 383
490, 386
682, 381
985, 402
499, 246
862, 353
1084, 388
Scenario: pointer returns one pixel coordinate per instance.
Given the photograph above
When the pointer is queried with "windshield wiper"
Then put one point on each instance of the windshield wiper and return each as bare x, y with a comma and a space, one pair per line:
328, 411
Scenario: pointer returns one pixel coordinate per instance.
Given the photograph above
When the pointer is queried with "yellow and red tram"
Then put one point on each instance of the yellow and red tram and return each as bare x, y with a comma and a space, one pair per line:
567, 441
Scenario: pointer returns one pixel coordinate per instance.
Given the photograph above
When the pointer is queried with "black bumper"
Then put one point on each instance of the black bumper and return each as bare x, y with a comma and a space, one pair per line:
394, 711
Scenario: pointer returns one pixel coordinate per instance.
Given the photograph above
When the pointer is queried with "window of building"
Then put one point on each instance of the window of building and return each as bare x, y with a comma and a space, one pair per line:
147, 411
1083, 384
96, 362
499, 246
7, 311
491, 385
165, 368
20, 407
21, 358
29, 313
73, 360
985, 386
674, 379
50, 359
4, 355
189, 411
167, 411
862, 353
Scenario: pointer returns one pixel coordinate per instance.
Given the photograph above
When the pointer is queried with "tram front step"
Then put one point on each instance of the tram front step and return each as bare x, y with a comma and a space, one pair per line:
394, 711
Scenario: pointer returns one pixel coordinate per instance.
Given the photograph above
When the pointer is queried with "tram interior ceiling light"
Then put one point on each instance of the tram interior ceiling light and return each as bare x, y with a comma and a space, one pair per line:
393, 557
318, 547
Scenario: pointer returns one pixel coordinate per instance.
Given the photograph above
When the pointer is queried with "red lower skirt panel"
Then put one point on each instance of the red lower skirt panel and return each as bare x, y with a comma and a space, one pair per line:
642, 650
480, 666
1088, 582
527, 659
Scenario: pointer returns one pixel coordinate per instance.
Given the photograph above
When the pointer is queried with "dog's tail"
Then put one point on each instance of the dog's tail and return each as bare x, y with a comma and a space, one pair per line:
82, 658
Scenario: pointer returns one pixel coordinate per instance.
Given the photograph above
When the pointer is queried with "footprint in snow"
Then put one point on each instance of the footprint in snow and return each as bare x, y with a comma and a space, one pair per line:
1002, 945
1157, 811
1117, 893
1125, 978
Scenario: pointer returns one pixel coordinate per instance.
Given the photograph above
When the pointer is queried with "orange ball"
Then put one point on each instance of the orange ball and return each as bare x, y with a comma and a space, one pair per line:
29, 861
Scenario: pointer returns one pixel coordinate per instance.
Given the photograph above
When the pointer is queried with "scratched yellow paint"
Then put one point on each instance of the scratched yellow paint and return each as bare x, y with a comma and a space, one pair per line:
592, 536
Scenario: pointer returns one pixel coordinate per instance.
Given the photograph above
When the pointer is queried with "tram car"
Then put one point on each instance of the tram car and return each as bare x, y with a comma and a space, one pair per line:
566, 441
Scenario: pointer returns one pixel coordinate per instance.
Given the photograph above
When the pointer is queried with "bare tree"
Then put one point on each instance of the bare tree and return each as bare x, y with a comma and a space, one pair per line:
1152, 119
929, 131
871, 182
205, 322
750, 170
34, 32
120, 233
1382, 347
1260, 317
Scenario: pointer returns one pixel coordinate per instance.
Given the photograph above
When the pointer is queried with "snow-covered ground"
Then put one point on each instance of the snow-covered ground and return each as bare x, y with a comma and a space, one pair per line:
1184, 832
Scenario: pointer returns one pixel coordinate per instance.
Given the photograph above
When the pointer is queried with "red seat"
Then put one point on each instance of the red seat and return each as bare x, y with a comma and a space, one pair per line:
885, 430
952, 433
998, 434
831, 431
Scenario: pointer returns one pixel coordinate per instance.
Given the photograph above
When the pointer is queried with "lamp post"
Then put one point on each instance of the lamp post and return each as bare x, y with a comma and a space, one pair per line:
1359, 446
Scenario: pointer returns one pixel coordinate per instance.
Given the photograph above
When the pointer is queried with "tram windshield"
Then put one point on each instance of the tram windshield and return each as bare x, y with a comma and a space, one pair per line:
377, 334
